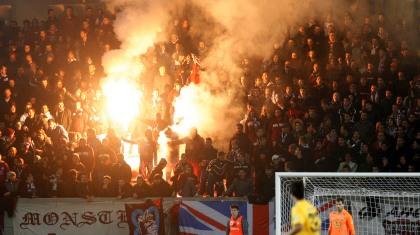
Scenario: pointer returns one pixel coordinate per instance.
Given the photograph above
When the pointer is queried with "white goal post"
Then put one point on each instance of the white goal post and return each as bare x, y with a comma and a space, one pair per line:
380, 203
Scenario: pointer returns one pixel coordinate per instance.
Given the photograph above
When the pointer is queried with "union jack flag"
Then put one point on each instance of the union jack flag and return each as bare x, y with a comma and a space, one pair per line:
207, 217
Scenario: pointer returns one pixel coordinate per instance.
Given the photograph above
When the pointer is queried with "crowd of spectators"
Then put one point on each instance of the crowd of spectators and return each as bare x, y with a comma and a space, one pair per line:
341, 94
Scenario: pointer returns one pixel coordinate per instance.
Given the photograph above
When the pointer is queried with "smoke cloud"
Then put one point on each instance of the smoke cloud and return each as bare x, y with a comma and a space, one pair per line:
232, 29
138, 25
246, 29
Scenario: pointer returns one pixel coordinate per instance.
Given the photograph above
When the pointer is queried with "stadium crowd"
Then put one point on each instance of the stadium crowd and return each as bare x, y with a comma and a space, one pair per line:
340, 95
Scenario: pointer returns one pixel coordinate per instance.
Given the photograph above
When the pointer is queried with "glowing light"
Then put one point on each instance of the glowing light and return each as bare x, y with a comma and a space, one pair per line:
187, 110
120, 63
188, 113
131, 156
163, 150
122, 99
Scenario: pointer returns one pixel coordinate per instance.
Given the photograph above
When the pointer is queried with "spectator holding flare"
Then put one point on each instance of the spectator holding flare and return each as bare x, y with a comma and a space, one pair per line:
147, 148
341, 221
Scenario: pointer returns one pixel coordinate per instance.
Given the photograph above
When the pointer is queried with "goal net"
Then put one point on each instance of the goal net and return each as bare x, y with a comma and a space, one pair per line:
380, 203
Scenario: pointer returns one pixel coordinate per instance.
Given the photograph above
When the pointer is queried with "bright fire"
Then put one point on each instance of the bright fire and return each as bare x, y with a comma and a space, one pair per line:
187, 115
131, 156
187, 111
163, 150
122, 99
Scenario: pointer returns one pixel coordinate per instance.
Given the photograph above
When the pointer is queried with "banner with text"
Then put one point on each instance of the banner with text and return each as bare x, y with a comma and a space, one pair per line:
72, 216
106, 216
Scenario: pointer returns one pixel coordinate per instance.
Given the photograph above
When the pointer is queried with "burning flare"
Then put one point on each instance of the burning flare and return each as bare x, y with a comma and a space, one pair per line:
188, 114
187, 110
163, 141
122, 101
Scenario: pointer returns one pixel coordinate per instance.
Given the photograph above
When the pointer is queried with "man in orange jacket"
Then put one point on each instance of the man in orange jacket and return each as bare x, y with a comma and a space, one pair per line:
341, 221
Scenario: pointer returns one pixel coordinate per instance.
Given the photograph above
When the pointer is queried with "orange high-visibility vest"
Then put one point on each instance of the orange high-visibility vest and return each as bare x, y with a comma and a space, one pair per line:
235, 226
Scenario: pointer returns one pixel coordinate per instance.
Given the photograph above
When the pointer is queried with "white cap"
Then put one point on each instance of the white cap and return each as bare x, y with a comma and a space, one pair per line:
275, 156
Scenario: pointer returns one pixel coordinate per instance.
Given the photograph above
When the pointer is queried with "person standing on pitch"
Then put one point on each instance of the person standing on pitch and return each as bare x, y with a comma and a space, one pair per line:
237, 224
305, 217
341, 221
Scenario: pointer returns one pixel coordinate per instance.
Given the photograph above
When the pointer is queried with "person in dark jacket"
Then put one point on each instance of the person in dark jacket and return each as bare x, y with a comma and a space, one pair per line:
216, 172
69, 187
55, 183
28, 188
8, 193
84, 187
141, 189
4, 168
180, 167
210, 153
63, 116
56, 132
86, 155
147, 148
194, 150
76, 163
241, 186
33, 121
187, 183
241, 138
158, 169
268, 186
124, 189
121, 170
106, 188
79, 119
159, 187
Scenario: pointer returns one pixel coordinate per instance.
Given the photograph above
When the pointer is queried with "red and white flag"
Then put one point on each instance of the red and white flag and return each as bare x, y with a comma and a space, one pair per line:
195, 70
